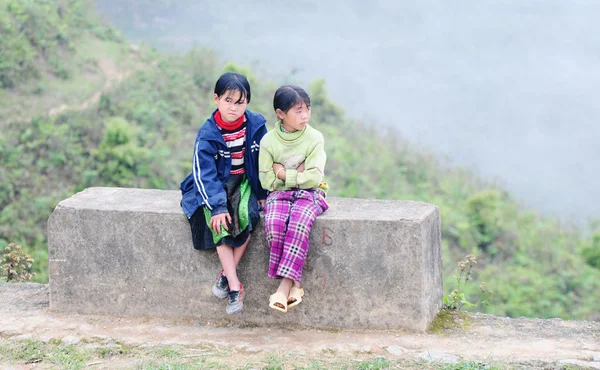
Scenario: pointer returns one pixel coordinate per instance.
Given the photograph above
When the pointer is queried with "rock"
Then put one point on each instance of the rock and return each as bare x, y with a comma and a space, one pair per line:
70, 340
101, 339
46, 338
361, 348
395, 350
438, 357
577, 365
22, 337
92, 346
112, 346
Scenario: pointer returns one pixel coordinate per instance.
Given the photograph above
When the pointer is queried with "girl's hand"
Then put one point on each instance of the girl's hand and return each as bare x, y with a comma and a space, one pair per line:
300, 168
261, 203
218, 220
279, 171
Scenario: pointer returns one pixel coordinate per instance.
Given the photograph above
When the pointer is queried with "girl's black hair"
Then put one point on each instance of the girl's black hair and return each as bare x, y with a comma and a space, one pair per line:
232, 81
288, 96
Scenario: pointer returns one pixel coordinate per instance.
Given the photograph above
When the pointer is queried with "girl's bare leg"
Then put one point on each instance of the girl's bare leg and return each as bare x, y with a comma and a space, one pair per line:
284, 286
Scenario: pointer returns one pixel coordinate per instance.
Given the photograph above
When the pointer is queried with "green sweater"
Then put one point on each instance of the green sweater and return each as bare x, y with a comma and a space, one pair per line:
291, 149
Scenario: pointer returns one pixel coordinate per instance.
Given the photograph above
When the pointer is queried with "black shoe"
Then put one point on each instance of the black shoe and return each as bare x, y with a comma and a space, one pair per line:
220, 288
236, 301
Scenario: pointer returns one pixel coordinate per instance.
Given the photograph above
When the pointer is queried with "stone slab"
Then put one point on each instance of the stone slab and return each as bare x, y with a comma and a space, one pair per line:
372, 263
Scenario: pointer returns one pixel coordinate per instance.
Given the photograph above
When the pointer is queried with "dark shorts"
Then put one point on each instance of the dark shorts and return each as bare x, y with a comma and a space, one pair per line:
202, 236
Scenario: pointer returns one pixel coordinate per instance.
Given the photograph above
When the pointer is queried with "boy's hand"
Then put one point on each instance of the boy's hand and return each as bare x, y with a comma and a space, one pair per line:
262, 203
218, 220
300, 168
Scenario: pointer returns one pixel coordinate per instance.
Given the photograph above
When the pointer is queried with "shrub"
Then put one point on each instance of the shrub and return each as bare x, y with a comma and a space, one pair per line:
484, 216
456, 300
16, 264
591, 253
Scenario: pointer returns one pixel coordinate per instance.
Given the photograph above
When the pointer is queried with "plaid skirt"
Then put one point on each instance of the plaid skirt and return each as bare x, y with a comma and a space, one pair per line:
289, 216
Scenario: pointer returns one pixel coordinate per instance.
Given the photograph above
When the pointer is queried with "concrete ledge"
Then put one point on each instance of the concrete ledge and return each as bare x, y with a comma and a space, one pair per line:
372, 263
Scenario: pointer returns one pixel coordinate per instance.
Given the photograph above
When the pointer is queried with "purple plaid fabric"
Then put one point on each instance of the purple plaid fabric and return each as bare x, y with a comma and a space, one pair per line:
289, 216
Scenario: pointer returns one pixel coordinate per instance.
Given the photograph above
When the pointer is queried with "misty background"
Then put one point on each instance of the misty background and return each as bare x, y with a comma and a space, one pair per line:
506, 89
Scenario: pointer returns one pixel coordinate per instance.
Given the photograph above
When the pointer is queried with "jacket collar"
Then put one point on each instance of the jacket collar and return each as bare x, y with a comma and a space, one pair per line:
254, 122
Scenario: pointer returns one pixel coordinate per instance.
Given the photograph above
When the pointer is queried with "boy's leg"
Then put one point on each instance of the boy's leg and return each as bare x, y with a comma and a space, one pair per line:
230, 258
277, 211
302, 215
228, 262
238, 252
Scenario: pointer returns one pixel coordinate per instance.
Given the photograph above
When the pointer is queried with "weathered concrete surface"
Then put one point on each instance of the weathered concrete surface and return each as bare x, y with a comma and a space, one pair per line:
372, 263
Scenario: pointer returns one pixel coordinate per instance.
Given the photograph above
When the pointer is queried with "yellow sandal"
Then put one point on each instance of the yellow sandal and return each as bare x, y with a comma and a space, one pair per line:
297, 294
278, 298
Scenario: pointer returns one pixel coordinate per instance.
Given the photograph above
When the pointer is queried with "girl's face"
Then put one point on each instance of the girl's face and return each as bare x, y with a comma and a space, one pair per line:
295, 119
230, 105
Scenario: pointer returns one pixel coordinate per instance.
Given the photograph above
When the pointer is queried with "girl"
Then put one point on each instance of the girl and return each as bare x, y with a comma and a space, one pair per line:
292, 163
221, 196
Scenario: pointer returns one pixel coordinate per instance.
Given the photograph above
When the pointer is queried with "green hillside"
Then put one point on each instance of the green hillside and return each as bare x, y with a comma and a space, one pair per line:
81, 107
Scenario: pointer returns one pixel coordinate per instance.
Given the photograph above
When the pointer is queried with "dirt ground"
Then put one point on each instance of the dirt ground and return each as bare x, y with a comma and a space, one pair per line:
534, 343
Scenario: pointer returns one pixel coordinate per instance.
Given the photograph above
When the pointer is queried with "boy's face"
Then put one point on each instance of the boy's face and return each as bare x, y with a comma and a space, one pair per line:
230, 106
295, 119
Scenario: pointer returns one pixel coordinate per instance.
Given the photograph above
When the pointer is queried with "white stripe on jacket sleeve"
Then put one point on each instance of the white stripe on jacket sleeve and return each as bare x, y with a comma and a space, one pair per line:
198, 179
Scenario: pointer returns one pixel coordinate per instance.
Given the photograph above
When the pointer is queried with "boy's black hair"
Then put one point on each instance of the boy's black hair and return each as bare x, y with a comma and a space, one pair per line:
288, 96
232, 81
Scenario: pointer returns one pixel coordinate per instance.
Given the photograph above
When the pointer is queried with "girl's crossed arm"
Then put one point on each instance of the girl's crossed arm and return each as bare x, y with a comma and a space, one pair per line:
314, 169
265, 168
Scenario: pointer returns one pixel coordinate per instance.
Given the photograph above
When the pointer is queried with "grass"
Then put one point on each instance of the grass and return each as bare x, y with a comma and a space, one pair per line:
69, 357
374, 364
469, 365
28, 351
32, 351
447, 321
119, 355
176, 365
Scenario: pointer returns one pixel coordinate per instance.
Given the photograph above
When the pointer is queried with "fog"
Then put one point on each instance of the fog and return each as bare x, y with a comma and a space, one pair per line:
507, 88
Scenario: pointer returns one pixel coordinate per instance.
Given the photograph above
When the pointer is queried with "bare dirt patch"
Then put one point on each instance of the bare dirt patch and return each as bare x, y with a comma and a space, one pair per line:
522, 342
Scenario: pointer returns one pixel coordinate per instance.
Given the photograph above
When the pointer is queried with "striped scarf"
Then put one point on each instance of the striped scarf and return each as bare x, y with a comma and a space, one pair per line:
234, 134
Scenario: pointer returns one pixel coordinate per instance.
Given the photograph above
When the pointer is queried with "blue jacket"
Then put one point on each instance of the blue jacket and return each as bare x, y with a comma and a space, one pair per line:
212, 163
